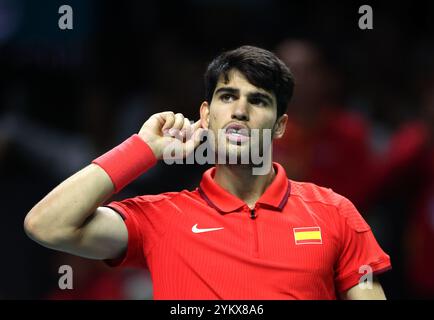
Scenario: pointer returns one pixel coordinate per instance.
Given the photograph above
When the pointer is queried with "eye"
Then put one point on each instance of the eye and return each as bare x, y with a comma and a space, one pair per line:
259, 101
227, 97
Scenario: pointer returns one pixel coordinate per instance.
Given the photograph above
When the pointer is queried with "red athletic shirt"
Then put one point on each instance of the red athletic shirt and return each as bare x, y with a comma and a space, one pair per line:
305, 242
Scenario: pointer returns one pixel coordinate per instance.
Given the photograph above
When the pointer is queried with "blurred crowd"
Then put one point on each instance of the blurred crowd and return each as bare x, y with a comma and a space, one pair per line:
361, 121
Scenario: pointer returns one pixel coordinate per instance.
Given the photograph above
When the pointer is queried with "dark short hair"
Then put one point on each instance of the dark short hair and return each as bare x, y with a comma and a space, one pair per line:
260, 67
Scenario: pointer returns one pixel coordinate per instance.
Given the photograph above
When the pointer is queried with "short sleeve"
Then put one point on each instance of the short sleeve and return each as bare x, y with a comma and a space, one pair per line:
145, 220
360, 250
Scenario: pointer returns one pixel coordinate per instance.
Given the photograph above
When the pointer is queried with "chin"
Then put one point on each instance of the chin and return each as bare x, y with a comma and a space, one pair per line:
240, 154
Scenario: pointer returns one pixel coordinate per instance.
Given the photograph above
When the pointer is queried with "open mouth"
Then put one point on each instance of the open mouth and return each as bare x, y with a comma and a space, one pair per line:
237, 133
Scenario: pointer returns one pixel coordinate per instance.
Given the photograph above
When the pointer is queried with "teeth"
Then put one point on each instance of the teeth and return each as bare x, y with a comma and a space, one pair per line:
239, 132
232, 130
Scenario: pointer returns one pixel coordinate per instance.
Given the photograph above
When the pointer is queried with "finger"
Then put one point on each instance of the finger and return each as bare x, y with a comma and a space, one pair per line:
192, 127
174, 131
186, 130
179, 121
169, 119
198, 130
157, 120
186, 125
196, 125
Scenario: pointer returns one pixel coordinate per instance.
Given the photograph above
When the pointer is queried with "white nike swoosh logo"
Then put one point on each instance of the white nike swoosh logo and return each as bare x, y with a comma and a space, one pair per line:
195, 229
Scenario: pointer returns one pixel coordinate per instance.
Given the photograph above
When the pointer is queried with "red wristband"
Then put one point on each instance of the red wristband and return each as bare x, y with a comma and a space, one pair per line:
127, 161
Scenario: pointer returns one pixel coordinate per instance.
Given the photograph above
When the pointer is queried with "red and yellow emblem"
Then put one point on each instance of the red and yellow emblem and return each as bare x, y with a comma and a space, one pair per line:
308, 235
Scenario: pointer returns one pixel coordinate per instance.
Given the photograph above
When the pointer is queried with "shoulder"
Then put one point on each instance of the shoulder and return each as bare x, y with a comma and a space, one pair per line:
326, 200
311, 193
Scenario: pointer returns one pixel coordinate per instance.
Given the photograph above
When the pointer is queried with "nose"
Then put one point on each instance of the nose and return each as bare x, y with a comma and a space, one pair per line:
241, 110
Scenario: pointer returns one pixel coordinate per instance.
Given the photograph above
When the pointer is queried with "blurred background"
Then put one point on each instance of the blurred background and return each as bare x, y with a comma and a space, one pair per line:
361, 121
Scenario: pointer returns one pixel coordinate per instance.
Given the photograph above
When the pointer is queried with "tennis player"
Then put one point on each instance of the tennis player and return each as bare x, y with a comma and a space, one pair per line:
238, 235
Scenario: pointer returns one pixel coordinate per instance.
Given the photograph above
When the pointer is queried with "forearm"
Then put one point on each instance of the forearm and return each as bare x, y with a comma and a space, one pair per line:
59, 219
68, 218
64, 210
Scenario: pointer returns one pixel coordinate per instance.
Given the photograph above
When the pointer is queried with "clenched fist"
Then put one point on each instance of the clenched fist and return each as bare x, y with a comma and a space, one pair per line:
163, 128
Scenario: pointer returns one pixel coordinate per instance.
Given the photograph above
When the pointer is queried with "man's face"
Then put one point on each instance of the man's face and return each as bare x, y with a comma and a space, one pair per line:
237, 108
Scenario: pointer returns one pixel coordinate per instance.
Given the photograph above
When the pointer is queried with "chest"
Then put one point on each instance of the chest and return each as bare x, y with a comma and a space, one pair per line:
295, 242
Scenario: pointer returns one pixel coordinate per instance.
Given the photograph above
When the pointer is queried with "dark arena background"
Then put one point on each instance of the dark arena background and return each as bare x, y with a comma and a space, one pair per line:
362, 118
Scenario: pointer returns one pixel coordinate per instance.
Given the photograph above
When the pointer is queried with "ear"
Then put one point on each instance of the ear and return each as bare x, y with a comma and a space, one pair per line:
204, 115
280, 126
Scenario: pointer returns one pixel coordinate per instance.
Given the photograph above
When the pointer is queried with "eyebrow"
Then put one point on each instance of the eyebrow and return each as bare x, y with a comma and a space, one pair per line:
256, 95
227, 90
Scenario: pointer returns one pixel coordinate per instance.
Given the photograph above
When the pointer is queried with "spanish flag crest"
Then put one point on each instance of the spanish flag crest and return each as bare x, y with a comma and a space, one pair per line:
307, 235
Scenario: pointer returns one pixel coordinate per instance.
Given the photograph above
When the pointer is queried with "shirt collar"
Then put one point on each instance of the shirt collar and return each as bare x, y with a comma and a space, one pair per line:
275, 196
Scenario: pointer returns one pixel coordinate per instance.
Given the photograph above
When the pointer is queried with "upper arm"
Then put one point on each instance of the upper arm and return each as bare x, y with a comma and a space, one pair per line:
374, 292
359, 252
104, 235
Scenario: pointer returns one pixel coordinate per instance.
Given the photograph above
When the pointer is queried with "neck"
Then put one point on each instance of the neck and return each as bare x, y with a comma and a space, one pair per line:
239, 181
